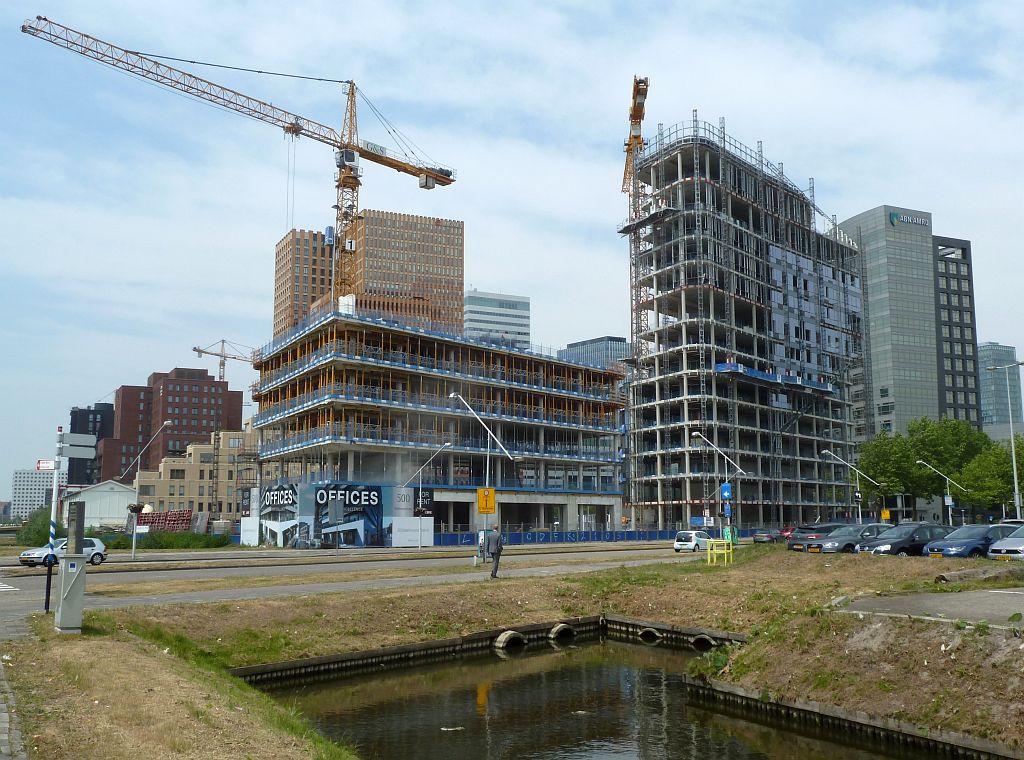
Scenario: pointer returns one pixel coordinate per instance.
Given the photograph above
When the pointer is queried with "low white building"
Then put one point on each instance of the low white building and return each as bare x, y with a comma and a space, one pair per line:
106, 503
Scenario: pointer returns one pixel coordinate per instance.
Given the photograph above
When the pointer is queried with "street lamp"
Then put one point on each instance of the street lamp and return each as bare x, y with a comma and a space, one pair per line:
859, 473
739, 470
143, 449
949, 499
1013, 446
487, 476
419, 492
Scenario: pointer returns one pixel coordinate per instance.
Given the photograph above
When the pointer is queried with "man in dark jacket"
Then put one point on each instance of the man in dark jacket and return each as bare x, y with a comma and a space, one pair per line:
493, 546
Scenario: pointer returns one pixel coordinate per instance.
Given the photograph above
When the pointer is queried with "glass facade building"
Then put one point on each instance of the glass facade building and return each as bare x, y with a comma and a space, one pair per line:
599, 352
999, 391
920, 341
497, 318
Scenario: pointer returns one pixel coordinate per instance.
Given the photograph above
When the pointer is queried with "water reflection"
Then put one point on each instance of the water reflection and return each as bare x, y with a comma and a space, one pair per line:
599, 700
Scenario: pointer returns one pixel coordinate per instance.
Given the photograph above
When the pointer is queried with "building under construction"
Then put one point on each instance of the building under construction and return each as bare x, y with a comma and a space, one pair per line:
746, 333
352, 404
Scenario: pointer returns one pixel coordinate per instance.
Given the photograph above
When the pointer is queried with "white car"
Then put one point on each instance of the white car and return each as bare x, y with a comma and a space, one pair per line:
691, 541
93, 549
1011, 547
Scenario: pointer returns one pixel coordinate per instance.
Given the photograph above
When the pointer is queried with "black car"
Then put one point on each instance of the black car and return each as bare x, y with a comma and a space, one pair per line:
845, 539
905, 539
799, 538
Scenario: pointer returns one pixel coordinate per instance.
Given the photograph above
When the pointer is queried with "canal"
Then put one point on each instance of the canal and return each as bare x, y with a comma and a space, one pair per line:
598, 699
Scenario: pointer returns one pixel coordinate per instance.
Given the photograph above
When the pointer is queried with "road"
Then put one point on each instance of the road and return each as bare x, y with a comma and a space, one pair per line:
22, 592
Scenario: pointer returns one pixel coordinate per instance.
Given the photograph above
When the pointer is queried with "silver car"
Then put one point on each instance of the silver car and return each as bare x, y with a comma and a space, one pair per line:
93, 549
1011, 547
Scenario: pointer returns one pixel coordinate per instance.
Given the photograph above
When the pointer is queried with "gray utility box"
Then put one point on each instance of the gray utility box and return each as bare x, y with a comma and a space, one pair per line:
72, 594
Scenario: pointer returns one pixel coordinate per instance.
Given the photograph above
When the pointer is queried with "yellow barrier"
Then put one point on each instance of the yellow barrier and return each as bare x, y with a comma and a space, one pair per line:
719, 548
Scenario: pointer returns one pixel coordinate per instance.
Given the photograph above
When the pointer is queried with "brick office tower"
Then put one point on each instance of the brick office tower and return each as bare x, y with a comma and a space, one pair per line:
302, 274
410, 268
191, 400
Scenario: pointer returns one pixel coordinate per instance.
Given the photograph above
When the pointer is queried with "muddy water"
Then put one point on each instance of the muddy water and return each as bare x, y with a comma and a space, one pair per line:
599, 700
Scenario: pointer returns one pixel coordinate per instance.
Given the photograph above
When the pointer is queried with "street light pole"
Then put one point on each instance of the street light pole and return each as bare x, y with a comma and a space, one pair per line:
419, 491
949, 499
1013, 444
860, 518
492, 436
739, 470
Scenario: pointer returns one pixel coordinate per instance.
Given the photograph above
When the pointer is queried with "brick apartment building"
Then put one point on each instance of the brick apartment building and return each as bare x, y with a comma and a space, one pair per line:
190, 400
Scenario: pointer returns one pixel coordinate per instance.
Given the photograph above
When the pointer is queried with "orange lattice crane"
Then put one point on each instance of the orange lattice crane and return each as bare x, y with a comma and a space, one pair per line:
634, 142
348, 149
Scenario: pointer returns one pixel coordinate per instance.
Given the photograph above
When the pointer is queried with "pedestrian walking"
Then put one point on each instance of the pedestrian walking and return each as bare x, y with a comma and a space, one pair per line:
493, 545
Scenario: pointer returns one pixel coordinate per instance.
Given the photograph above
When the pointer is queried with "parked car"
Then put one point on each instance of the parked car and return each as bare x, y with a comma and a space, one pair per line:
691, 541
1011, 547
1011, 521
768, 536
969, 540
846, 538
788, 531
905, 539
811, 532
93, 549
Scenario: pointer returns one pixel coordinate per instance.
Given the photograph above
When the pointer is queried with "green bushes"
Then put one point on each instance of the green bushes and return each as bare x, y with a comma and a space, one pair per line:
169, 540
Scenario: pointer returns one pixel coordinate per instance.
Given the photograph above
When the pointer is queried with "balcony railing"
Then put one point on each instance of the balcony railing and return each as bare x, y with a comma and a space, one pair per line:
434, 402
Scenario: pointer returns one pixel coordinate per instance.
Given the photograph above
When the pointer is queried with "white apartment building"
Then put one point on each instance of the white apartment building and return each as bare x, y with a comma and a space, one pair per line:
497, 318
30, 490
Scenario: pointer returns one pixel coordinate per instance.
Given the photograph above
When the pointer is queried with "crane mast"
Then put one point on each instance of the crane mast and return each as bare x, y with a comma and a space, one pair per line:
348, 149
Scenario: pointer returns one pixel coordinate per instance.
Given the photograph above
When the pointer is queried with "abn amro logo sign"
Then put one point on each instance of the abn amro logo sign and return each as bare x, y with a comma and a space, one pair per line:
896, 216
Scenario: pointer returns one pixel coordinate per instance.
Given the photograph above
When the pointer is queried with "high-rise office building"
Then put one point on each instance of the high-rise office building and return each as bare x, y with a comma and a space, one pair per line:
999, 391
745, 317
497, 318
598, 352
32, 489
920, 355
409, 268
302, 274
97, 420
190, 400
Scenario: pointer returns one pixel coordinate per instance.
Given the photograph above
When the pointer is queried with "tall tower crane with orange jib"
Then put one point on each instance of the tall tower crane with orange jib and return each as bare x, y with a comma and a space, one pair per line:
348, 149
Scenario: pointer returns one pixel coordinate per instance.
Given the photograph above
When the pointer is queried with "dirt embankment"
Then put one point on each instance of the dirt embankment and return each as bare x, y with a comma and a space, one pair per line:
148, 681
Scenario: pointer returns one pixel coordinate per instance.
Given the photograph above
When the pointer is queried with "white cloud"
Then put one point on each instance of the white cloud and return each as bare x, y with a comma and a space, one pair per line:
152, 219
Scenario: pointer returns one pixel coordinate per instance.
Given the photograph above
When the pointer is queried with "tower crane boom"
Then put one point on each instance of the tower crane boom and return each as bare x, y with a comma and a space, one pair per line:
224, 354
348, 148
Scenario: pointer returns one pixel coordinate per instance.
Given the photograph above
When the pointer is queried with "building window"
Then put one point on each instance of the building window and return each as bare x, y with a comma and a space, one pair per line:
177, 474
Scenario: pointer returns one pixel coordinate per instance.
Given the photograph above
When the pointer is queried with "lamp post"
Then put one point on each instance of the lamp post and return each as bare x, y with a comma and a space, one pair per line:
858, 476
136, 508
143, 449
1013, 446
419, 491
491, 436
949, 499
739, 470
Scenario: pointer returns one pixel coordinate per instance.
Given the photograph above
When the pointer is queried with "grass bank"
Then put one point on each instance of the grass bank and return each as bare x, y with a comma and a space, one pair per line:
151, 681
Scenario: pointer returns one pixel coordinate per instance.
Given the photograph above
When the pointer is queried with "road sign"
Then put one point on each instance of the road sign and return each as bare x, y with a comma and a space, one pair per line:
485, 501
885, 514
858, 496
728, 509
46, 464
78, 439
948, 500
726, 491
76, 452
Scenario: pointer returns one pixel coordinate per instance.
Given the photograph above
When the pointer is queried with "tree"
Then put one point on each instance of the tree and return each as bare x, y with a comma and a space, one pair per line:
36, 530
888, 459
947, 445
988, 478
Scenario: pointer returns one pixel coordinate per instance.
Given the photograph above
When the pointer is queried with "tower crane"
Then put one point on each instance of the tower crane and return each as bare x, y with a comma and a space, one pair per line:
634, 143
225, 355
348, 148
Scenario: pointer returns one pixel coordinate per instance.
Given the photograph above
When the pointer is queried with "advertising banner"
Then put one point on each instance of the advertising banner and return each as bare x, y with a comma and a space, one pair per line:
355, 512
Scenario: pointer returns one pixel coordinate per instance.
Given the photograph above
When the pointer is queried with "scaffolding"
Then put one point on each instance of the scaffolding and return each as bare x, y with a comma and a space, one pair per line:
747, 322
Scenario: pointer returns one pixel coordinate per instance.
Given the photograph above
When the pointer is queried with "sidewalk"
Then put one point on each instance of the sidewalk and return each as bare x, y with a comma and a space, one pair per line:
10, 734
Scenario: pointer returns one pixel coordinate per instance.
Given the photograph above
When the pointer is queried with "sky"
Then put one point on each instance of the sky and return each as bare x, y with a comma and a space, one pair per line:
138, 222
